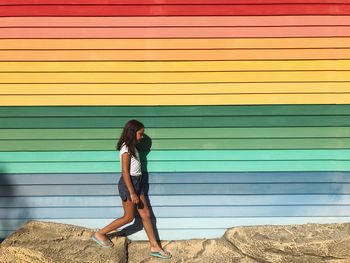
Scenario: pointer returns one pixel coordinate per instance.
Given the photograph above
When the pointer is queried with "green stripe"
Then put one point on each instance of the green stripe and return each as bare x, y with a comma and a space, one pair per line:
170, 144
161, 133
210, 155
179, 166
177, 122
136, 111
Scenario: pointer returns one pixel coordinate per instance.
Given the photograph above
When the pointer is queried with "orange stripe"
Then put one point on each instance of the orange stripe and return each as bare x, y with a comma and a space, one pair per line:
188, 32
208, 43
91, 55
174, 21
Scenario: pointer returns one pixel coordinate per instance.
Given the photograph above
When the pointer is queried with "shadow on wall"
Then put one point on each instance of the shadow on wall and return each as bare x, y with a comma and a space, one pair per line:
13, 209
144, 148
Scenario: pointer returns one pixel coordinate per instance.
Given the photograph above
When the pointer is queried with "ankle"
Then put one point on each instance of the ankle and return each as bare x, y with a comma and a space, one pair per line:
99, 232
155, 248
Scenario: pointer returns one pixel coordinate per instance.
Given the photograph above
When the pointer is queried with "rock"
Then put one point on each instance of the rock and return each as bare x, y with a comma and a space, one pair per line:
293, 243
203, 250
46, 242
311, 243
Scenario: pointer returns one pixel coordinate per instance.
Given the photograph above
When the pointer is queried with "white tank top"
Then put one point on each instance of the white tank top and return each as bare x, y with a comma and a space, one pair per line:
135, 163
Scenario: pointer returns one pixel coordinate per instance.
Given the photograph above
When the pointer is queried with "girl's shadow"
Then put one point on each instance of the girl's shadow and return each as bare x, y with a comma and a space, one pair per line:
15, 212
144, 148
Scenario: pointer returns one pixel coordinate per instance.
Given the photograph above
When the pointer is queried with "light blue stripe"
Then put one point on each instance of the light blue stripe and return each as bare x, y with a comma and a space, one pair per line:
181, 189
175, 212
177, 200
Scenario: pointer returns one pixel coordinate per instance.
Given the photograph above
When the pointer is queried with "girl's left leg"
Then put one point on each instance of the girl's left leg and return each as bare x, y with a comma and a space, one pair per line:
145, 214
129, 209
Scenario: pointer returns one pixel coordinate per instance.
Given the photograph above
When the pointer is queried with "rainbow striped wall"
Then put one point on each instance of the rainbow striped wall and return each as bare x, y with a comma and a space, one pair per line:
246, 106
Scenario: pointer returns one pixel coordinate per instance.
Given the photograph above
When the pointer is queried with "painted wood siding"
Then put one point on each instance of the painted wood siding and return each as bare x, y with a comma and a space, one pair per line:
246, 106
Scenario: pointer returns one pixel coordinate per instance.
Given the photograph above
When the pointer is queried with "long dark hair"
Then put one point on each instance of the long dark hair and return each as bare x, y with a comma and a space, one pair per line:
128, 136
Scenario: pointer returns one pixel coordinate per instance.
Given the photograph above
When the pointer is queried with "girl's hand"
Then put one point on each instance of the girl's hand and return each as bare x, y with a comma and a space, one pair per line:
134, 198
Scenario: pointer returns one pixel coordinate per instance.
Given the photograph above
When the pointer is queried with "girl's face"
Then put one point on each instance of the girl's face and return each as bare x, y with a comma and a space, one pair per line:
139, 134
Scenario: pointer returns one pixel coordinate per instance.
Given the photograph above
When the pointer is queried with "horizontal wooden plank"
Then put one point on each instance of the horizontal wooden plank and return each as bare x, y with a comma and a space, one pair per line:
177, 121
183, 200
11, 180
176, 10
160, 111
136, 3
168, 21
180, 144
138, 100
172, 155
182, 189
171, 66
175, 212
177, 155
171, 133
326, 87
175, 55
182, 77
175, 32
180, 166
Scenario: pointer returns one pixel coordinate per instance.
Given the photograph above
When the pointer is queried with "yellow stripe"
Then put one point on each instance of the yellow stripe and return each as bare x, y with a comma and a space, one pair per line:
171, 55
55, 100
187, 77
176, 66
203, 88
335, 42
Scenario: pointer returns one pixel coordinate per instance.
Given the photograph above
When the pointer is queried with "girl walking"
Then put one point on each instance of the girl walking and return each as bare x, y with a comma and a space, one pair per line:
130, 190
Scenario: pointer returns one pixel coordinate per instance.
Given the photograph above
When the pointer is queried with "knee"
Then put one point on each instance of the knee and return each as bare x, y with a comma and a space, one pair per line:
145, 214
128, 218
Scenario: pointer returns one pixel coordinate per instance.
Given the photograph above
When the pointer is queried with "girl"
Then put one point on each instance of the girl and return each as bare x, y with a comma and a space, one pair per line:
130, 190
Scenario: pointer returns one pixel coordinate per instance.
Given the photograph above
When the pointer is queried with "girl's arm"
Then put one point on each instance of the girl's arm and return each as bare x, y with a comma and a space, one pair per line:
126, 177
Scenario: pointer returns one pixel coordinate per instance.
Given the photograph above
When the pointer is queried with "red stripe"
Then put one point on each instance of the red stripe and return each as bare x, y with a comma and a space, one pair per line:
178, 21
175, 10
167, 2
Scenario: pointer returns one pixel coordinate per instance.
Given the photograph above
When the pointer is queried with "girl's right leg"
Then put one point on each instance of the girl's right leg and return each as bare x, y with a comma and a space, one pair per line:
129, 210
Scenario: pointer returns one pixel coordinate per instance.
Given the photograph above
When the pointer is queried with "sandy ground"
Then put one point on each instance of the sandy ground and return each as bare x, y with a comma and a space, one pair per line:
53, 243
46, 242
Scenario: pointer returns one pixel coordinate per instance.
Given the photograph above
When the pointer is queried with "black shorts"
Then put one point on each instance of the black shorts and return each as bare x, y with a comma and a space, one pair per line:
123, 190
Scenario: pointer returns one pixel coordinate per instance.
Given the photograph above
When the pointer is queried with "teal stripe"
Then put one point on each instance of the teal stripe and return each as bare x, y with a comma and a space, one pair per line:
178, 178
179, 166
181, 144
178, 155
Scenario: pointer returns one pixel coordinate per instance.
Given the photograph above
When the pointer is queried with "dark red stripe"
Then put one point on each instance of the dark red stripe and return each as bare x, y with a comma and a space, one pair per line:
175, 10
167, 2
